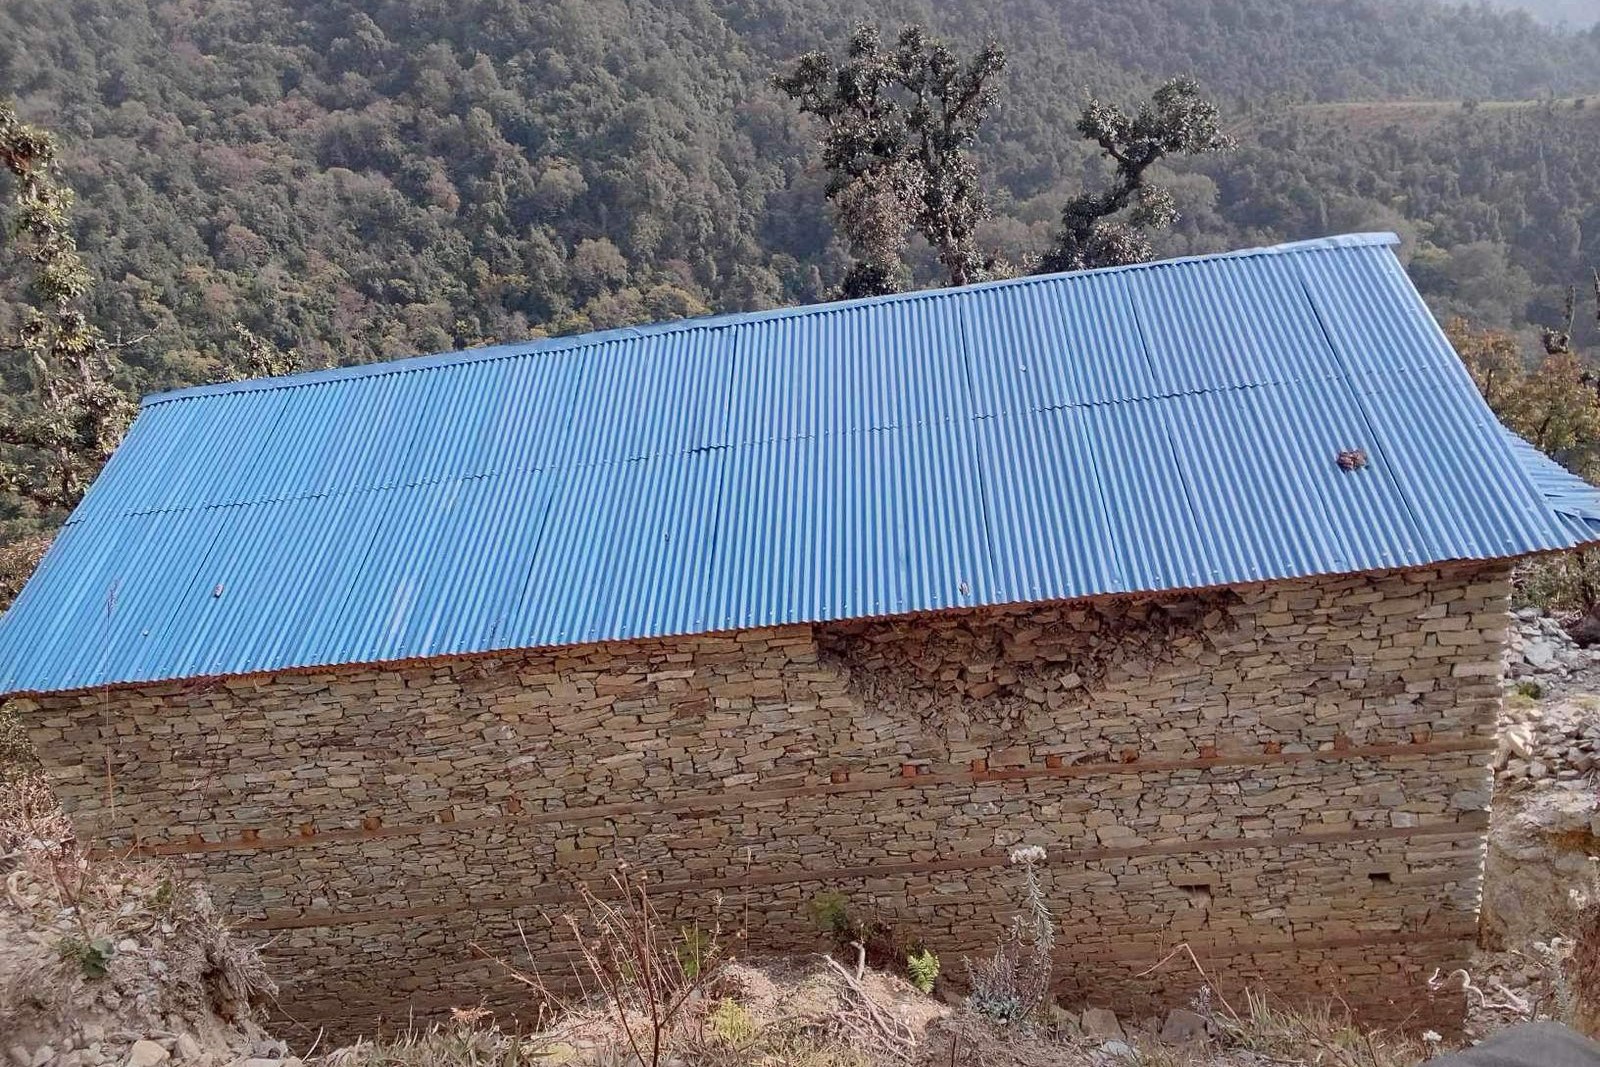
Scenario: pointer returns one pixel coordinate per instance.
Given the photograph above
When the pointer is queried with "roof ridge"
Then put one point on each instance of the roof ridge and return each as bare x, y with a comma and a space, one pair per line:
575, 342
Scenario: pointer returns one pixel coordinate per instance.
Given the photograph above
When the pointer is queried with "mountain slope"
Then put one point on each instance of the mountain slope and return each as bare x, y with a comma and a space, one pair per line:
369, 178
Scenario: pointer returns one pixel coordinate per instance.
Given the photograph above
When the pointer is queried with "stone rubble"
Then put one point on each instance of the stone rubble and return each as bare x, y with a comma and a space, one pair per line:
1540, 652
1558, 741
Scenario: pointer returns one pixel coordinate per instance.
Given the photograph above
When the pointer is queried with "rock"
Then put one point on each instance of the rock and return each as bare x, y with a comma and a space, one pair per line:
1519, 739
1183, 1026
1100, 1023
19, 1055
187, 1048
1539, 654
1120, 1049
43, 1056
147, 1054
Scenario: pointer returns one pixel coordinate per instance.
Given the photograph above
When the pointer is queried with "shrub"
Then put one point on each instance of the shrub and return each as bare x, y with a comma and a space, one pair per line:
922, 967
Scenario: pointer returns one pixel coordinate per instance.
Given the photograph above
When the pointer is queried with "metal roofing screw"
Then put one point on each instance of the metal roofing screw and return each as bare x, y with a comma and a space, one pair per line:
217, 591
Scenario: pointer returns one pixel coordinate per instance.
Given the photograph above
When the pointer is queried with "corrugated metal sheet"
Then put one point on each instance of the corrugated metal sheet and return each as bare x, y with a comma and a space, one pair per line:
1167, 426
1576, 506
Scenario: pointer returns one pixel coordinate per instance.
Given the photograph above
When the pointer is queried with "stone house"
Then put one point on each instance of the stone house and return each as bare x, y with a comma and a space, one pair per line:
1192, 573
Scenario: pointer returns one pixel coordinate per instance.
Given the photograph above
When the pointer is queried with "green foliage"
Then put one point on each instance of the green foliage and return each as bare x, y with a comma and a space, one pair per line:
922, 968
899, 128
831, 913
695, 948
52, 448
361, 180
260, 358
1531, 690
731, 1025
1552, 403
92, 955
1563, 584
1109, 228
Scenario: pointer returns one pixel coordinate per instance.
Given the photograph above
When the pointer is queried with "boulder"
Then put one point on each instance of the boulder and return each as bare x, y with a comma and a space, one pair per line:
147, 1054
1101, 1023
1183, 1026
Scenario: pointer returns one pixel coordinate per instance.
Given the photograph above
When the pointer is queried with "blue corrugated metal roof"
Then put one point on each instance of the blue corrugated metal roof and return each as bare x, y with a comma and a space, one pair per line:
1168, 426
1574, 501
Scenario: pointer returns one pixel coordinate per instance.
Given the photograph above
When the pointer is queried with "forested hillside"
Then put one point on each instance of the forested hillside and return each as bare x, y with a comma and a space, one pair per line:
1560, 12
371, 178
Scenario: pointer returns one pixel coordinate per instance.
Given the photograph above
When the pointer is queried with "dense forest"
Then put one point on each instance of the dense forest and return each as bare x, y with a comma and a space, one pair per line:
361, 179
1576, 13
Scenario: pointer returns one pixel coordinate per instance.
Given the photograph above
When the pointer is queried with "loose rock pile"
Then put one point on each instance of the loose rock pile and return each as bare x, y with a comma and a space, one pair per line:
1558, 741
1540, 652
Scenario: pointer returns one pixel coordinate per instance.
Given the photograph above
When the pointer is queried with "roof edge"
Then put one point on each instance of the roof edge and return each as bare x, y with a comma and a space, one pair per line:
715, 322
401, 662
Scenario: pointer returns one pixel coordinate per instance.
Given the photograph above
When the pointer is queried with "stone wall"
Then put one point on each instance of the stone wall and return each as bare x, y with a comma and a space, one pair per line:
1291, 778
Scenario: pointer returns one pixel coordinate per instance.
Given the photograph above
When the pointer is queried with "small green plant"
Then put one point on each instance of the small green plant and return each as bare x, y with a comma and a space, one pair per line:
831, 912
731, 1025
1531, 690
92, 955
695, 947
922, 967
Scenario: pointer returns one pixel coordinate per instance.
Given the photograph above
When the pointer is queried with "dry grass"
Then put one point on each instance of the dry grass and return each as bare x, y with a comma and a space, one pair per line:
467, 1040
127, 943
1583, 970
1324, 1035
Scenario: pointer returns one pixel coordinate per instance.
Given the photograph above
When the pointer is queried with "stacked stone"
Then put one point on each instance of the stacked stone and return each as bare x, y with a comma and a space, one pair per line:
1560, 743
1540, 651
1291, 777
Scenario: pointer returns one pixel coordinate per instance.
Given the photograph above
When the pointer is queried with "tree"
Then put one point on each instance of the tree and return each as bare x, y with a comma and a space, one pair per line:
259, 357
80, 411
1176, 121
1552, 404
900, 129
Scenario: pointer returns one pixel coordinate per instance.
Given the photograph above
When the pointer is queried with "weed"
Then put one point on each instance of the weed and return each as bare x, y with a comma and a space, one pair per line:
92, 955
695, 948
1531, 690
1279, 1033
845, 927
831, 912
467, 1040
922, 967
1013, 985
731, 1026
647, 977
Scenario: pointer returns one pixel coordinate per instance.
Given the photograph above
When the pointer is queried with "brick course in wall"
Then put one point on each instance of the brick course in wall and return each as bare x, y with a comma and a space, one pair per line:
1291, 778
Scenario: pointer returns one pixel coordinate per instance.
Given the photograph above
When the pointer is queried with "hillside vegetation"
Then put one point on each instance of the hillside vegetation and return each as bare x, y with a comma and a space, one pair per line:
369, 178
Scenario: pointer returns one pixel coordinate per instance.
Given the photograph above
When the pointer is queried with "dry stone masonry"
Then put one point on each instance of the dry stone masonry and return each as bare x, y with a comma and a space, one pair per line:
1292, 778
